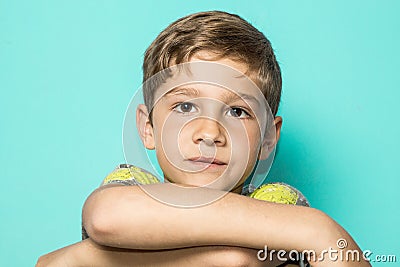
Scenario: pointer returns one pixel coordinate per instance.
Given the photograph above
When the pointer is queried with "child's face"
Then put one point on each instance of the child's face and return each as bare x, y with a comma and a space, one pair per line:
207, 135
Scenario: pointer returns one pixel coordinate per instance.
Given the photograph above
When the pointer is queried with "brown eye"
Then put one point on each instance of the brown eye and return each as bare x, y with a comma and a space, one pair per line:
238, 113
185, 107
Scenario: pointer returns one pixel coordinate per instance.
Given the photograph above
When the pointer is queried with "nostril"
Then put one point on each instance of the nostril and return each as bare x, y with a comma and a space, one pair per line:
206, 141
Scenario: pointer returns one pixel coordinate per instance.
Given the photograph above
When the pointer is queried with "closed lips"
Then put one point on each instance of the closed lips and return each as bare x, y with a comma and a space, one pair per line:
207, 160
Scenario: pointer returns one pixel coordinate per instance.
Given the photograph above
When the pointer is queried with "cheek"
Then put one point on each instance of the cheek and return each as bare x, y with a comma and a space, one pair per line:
184, 141
165, 127
245, 140
172, 137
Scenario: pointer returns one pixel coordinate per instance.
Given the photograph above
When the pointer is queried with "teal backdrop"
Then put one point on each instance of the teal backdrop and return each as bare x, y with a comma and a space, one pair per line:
68, 70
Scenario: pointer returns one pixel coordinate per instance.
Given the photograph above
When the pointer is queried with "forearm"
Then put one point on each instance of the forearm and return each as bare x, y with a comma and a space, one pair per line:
88, 253
141, 222
127, 217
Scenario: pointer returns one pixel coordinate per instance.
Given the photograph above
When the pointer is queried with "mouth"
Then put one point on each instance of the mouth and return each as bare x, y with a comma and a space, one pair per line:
207, 162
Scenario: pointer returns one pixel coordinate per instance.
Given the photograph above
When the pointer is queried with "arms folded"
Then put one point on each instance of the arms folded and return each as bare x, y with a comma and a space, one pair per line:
143, 223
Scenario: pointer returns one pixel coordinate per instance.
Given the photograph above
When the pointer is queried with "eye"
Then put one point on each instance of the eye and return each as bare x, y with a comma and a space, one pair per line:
238, 113
185, 107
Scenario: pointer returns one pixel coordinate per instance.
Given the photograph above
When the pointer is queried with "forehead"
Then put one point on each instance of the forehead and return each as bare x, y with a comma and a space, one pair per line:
209, 56
199, 76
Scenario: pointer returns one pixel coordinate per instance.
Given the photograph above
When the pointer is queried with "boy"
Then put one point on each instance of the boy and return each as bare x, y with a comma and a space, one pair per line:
209, 124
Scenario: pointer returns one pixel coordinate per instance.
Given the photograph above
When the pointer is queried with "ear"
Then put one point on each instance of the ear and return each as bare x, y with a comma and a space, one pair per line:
268, 145
145, 127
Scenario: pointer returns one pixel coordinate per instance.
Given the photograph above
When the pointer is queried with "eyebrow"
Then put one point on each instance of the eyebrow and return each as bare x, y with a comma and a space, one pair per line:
227, 96
232, 97
183, 91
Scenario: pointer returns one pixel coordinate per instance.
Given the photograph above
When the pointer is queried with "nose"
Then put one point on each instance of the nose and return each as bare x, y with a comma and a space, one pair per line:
208, 131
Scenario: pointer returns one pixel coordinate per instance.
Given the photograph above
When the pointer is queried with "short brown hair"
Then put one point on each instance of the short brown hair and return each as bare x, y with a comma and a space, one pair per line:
226, 35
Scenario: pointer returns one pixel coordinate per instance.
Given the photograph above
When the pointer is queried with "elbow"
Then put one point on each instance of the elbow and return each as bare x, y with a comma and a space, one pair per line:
98, 230
98, 218
115, 216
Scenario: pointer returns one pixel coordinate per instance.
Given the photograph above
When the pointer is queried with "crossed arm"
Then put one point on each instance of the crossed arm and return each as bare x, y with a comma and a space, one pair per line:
179, 236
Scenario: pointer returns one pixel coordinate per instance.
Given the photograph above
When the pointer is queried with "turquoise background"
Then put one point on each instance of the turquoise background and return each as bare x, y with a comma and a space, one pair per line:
68, 70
